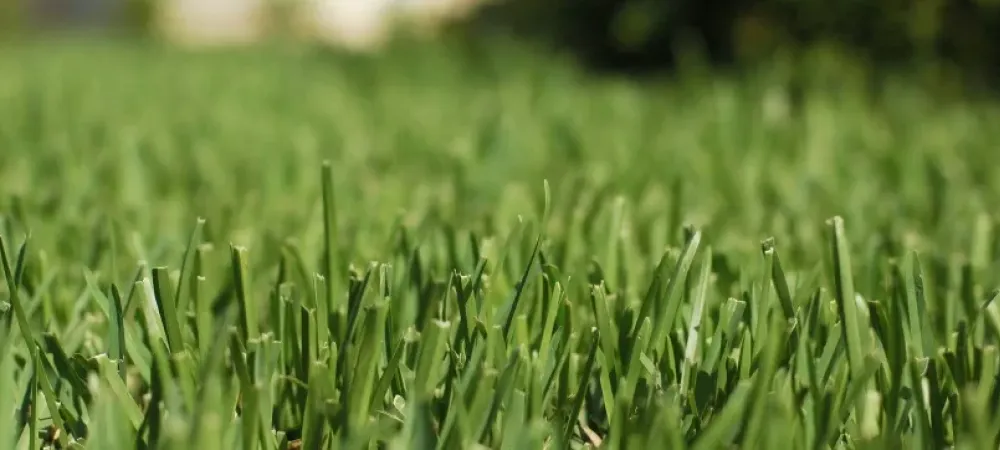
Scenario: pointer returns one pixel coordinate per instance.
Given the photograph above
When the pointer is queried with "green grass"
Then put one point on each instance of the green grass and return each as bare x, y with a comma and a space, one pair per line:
274, 248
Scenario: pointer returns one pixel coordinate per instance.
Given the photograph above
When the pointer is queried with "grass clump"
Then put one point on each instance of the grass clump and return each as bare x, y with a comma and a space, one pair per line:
237, 252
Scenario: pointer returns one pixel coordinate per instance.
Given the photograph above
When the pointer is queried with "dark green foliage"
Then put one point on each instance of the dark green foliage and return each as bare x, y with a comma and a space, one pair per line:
643, 34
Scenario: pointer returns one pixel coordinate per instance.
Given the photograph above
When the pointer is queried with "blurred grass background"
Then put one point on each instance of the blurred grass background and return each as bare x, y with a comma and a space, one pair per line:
504, 93
461, 133
624, 90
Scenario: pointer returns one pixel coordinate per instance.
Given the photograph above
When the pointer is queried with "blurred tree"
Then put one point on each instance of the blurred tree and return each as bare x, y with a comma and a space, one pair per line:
20, 16
631, 35
641, 34
11, 17
138, 17
73, 13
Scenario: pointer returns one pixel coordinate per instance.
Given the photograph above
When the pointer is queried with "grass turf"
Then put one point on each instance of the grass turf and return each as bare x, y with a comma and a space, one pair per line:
272, 248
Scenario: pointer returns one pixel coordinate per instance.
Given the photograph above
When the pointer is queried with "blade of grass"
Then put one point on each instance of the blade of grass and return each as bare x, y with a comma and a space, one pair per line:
432, 348
466, 384
391, 371
510, 309
779, 279
725, 425
362, 386
331, 262
31, 405
514, 423
50, 397
690, 364
13, 285
916, 306
670, 301
116, 331
544, 347
204, 318
189, 257
8, 401
500, 394
15, 297
846, 304
631, 380
762, 380
168, 310
247, 307
614, 233
602, 315
581, 390
314, 421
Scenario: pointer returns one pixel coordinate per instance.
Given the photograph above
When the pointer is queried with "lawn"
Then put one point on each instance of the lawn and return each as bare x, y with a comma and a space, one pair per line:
442, 248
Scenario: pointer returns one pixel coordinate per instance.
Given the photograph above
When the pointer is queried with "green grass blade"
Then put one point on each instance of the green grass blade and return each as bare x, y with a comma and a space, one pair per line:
602, 315
168, 310
8, 401
116, 331
631, 380
247, 306
514, 422
919, 343
189, 256
581, 390
923, 432
762, 381
50, 398
15, 297
331, 261
671, 300
510, 309
500, 393
690, 364
432, 349
467, 383
31, 404
779, 280
13, 282
846, 304
204, 318
418, 431
614, 239
363, 381
391, 371
544, 347
314, 420
724, 426
249, 423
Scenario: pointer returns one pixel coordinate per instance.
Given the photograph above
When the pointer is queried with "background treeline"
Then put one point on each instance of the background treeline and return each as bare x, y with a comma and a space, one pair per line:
637, 35
648, 34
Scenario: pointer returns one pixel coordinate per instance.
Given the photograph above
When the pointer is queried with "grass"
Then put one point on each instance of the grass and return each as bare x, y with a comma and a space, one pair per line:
273, 249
